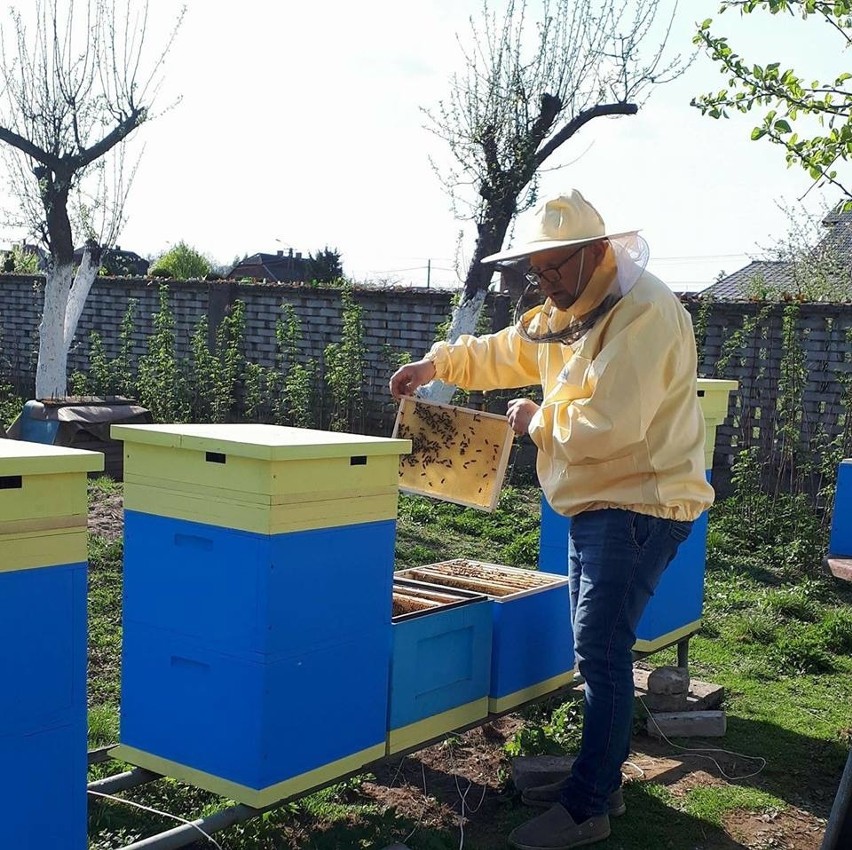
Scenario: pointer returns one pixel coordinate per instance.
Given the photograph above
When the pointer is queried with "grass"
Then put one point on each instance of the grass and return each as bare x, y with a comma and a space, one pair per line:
778, 641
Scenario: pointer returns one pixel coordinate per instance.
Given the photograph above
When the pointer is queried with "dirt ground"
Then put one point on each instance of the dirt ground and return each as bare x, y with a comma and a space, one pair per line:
476, 768
428, 788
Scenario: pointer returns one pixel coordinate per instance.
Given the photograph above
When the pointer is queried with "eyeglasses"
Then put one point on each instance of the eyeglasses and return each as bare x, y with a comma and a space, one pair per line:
551, 275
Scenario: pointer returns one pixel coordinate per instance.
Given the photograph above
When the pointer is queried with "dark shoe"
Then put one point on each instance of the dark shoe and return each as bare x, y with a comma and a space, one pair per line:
556, 830
545, 796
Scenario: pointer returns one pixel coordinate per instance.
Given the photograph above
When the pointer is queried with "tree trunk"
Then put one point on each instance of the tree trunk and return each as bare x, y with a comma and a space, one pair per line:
51, 372
492, 231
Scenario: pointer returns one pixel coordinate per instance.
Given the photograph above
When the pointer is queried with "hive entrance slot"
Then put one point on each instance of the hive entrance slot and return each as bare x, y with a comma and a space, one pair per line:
358, 460
11, 482
215, 457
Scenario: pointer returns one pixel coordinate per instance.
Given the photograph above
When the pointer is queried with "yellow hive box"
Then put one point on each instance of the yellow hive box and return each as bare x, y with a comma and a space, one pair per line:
43, 504
262, 478
713, 398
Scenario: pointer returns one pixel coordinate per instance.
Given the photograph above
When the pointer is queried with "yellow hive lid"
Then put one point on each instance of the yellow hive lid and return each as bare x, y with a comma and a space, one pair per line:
717, 385
21, 457
263, 442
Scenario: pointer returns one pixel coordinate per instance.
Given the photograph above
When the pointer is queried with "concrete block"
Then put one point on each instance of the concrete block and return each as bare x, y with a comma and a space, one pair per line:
840, 568
668, 680
687, 724
702, 696
532, 771
666, 702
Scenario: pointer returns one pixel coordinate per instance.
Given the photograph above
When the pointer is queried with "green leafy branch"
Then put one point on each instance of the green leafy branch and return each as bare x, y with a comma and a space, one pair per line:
786, 95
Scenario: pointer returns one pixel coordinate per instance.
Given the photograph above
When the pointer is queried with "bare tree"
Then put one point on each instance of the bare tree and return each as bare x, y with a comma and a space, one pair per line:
74, 87
522, 96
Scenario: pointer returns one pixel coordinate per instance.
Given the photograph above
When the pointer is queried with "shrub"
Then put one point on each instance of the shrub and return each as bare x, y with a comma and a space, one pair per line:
181, 262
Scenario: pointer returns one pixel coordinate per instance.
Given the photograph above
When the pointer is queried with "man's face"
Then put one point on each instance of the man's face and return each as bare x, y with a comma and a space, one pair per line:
561, 273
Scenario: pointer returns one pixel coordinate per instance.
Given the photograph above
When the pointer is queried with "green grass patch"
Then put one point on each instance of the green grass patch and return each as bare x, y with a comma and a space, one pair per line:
712, 802
777, 636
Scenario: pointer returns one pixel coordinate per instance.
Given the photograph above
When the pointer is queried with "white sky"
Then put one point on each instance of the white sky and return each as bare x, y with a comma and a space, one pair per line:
300, 126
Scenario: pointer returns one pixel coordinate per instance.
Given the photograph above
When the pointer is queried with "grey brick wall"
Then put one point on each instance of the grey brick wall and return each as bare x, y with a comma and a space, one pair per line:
731, 343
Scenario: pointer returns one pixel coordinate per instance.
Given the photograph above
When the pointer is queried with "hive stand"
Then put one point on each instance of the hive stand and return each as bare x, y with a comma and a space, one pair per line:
43, 725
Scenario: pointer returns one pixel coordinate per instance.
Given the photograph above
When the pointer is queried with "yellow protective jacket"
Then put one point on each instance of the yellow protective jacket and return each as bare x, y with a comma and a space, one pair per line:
620, 425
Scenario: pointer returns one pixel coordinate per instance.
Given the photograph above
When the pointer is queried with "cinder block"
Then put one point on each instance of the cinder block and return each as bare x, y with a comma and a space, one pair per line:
702, 696
687, 724
532, 771
666, 702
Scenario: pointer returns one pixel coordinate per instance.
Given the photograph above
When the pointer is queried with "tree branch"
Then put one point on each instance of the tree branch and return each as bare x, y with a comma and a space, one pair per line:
28, 147
116, 135
579, 121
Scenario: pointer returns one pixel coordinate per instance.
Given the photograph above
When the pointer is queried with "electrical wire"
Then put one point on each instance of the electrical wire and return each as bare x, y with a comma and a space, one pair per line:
423, 810
158, 812
699, 752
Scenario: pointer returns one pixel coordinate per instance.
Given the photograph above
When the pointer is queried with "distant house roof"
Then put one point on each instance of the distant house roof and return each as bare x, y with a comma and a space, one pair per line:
781, 275
281, 267
119, 263
745, 283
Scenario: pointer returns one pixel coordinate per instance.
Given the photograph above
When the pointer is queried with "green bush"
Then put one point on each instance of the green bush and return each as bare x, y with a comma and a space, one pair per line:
181, 262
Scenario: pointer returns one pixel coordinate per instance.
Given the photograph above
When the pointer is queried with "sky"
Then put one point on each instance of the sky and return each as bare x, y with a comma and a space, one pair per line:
287, 124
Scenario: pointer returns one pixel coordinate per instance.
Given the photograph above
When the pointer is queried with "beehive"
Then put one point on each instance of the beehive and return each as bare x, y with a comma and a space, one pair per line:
840, 542
441, 662
43, 643
674, 611
532, 649
458, 455
257, 604
713, 398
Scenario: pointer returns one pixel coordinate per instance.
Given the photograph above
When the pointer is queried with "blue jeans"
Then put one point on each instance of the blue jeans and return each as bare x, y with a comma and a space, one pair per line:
616, 559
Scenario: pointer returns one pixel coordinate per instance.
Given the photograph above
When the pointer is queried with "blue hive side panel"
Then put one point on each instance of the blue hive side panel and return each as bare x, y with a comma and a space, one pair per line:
840, 543
44, 789
441, 660
554, 527
679, 598
42, 648
252, 723
242, 592
533, 640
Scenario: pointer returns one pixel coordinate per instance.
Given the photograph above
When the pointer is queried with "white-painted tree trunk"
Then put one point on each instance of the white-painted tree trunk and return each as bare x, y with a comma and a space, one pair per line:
63, 306
464, 320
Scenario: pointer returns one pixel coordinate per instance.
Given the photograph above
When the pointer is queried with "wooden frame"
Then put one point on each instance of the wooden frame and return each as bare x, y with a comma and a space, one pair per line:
458, 454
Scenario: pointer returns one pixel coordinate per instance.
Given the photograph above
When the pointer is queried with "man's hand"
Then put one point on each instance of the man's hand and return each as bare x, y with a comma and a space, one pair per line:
411, 376
520, 411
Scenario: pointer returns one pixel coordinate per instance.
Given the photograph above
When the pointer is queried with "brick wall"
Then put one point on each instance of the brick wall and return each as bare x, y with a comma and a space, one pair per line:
743, 341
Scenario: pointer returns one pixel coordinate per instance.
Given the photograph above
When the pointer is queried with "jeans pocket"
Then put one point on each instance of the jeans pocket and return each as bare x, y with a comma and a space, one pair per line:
680, 530
640, 529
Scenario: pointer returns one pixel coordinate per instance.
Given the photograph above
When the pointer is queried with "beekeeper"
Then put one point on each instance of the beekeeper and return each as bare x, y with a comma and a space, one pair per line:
620, 440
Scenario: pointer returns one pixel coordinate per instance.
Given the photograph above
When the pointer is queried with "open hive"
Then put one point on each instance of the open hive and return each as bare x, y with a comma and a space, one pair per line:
440, 663
490, 579
458, 455
532, 650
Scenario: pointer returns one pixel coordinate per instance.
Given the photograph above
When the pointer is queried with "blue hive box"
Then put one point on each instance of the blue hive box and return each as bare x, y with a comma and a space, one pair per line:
674, 611
258, 595
840, 542
257, 604
255, 731
441, 664
532, 650
43, 644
